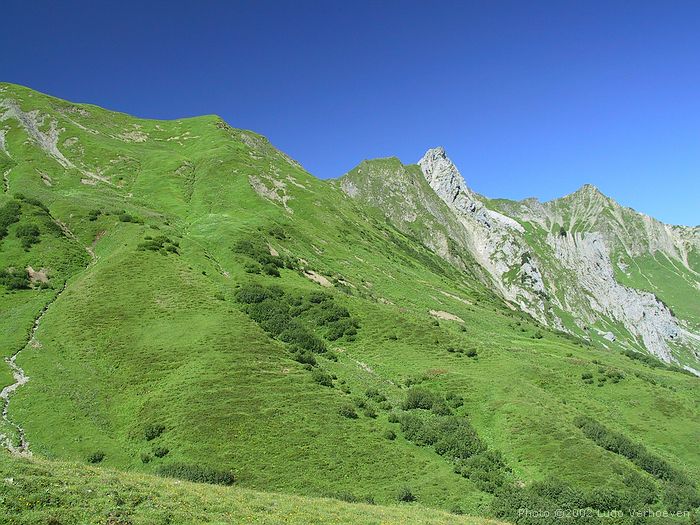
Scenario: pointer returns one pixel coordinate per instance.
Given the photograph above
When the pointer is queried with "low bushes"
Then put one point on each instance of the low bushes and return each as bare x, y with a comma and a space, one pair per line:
419, 398
348, 411
153, 431
680, 492
15, 280
290, 317
96, 457
161, 244
322, 377
257, 249
197, 473
406, 495
28, 234
160, 452
9, 214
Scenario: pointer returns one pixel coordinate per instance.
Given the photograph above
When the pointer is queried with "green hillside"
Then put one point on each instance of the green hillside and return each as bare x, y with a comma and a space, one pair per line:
211, 305
32, 494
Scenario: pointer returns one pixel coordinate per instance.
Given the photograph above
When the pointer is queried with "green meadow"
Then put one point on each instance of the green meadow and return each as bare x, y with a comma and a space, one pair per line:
225, 311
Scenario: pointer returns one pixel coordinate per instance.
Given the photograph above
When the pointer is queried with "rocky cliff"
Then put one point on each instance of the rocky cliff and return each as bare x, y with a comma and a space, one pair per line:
582, 263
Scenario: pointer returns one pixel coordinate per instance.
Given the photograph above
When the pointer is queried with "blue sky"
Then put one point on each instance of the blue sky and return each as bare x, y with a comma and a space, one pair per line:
528, 98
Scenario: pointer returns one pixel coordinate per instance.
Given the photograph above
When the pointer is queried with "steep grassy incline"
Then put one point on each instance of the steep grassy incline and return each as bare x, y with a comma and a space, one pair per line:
37, 491
242, 315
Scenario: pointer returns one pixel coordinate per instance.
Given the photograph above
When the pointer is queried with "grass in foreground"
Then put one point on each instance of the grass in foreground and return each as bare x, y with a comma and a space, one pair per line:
39, 491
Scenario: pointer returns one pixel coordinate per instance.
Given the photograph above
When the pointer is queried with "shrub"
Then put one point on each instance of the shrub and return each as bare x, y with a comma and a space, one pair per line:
197, 473
96, 457
418, 398
406, 495
255, 293
457, 510
271, 269
277, 232
252, 267
635, 452
93, 215
146, 457
586, 375
393, 418
160, 452
304, 357
341, 327
14, 281
28, 234
375, 395
440, 408
153, 431
9, 214
347, 411
322, 377
370, 412
390, 435
302, 337
453, 400
471, 352
125, 217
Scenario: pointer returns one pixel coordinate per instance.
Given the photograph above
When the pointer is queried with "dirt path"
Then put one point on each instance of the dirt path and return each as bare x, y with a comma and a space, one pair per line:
21, 448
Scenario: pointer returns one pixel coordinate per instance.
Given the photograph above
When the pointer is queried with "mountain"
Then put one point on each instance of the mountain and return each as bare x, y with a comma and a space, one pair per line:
180, 298
581, 264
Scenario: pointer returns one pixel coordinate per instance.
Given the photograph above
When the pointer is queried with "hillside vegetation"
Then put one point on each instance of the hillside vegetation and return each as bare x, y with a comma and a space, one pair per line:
41, 492
185, 300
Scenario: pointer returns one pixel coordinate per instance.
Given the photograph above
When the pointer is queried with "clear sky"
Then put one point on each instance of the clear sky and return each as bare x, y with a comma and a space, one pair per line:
530, 98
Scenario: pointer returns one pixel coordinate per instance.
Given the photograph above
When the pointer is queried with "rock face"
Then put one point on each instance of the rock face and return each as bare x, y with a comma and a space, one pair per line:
570, 262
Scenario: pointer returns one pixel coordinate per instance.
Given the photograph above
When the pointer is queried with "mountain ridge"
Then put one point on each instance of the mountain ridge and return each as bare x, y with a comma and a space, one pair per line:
241, 314
497, 238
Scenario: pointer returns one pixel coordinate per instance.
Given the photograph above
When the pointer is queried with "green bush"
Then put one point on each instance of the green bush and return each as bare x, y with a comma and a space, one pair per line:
375, 395
93, 215
153, 431
197, 473
454, 400
635, 452
418, 398
471, 352
440, 408
146, 457
96, 457
390, 435
406, 495
255, 293
9, 214
369, 411
348, 411
304, 357
160, 452
14, 281
125, 217
322, 377
271, 269
28, 234
277, 232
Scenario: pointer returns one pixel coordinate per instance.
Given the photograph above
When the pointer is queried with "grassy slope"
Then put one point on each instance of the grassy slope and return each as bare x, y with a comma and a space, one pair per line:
37, 491
140, 337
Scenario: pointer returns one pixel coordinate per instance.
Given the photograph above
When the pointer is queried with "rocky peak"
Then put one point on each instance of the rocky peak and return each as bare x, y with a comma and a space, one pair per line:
443, 176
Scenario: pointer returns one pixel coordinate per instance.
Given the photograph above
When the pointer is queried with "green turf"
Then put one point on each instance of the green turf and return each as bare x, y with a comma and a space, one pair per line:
142, 337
